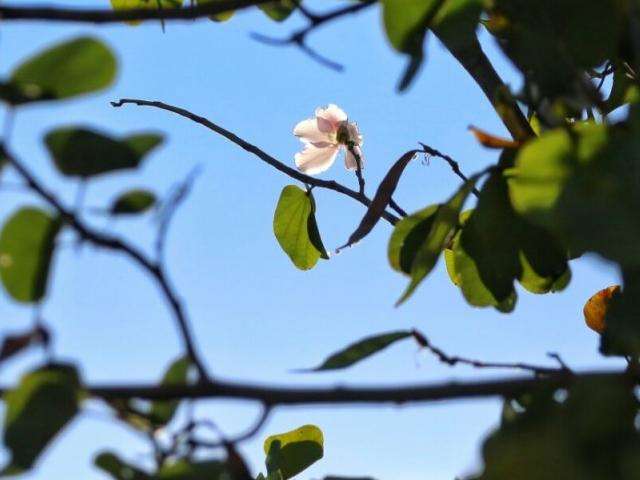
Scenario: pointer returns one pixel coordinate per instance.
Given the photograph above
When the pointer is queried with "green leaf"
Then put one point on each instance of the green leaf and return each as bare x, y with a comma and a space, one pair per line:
76, 67
149, 4
590, 435
81, 152
444, 223
295, 227
278, 10
581, 185
456, 23
118, 469
407, 236
43, 403
296, 450
177, 374
133, 202
545, 38
27, 242
360, 350
196, 470
406, 23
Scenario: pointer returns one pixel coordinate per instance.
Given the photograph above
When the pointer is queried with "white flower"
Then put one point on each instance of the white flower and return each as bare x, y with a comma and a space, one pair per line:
323, 137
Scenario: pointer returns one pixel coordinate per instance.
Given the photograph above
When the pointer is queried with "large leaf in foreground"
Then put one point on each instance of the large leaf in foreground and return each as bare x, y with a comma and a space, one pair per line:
75, 67
42, 404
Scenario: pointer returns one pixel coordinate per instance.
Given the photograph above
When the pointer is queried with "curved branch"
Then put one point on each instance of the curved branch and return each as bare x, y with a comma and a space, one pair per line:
117, 244
261, 154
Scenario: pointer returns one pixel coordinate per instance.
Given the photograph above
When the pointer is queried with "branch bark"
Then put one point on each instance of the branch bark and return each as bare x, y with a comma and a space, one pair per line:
476, 63
399, 394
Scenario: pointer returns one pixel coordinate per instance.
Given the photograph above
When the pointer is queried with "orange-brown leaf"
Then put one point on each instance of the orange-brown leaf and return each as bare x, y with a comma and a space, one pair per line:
595, 310
491, 141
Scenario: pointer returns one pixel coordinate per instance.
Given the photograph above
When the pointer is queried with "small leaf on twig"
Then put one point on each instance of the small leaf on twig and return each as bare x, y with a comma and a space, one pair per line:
14, 344
360, 350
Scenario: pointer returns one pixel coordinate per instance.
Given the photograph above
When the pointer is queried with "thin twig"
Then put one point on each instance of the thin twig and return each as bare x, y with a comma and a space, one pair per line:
299, 37
117, 244
455, 167
261, 154
453, 360
101, 16
243, 437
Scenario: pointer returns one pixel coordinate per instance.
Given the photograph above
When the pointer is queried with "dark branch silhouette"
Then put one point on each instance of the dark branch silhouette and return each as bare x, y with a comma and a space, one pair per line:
110, 242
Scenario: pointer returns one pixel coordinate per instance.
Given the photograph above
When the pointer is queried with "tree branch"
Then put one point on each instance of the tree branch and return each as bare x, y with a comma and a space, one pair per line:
101, 16
398, 394
453, 360
299, 37
455, 166
476, 63
261, 154
111, 242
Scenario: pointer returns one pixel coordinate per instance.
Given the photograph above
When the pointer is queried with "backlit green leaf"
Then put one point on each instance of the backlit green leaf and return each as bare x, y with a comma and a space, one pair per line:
194, 470
278, 10
408, 234
149, 4
296, 450
295, 227
27, 243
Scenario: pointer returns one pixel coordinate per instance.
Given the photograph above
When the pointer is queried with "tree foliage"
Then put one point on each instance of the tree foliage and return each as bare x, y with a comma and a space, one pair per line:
566, 184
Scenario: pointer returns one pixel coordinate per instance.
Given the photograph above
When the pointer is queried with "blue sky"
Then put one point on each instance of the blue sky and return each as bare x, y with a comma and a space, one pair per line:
255, 316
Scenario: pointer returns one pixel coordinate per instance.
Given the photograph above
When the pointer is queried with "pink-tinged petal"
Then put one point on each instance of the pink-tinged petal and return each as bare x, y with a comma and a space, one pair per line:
330, 118
350, 162
313, 160
308, 132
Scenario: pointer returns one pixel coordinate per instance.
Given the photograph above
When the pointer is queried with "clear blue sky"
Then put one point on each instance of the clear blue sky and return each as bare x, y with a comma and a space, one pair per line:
255, 316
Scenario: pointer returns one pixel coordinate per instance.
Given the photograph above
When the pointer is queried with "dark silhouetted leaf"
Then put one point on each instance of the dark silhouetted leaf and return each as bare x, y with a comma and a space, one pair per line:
76, 67
294, 451
27, 242
295, 227
360, 350
590, 435
81, 152
381, 199
133, 202
44, 402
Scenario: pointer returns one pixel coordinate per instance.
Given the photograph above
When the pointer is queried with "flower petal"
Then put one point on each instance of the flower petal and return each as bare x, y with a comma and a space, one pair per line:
308, 132
330, 118
313, 160
350, 162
